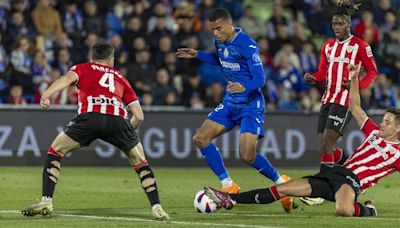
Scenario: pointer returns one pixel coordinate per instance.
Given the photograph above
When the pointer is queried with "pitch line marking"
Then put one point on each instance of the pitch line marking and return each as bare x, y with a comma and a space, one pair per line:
144, 220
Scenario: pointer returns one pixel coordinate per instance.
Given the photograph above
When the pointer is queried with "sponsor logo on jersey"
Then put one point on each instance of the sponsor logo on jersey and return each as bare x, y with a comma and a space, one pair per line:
336, 119
374, 142
232, 66
105, 100
369, 51
338, 59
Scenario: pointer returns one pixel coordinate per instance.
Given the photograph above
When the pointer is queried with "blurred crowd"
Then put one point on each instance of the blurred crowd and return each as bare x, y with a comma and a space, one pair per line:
42, 39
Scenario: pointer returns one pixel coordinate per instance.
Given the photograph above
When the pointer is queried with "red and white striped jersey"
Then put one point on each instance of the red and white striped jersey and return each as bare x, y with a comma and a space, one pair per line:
333, 67
102, 89
375, 158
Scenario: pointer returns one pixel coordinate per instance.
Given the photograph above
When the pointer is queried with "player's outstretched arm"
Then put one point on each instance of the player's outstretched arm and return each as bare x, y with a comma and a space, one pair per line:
186, 53
355, 101
57, 86
190, 53
137, 114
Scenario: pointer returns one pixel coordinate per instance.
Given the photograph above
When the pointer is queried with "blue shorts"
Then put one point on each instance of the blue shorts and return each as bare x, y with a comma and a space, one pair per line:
250, 117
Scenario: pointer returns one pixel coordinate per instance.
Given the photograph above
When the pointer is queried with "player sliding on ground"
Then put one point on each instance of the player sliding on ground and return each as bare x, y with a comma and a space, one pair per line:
377, 156
243, 104
101, 114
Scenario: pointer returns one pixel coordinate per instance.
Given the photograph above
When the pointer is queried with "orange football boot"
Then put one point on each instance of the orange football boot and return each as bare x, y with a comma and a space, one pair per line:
233, 189
287, 202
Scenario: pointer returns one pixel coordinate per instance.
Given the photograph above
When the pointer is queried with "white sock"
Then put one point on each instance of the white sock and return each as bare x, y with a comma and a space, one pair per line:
47, 199
227, 182
155, 206
280, 180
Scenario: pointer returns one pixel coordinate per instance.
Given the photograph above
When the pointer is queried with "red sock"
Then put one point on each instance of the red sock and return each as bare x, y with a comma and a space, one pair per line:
327, 158
338, 155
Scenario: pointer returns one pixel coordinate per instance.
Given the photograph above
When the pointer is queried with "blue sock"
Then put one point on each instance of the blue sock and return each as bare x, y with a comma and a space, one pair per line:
263, 166
214, 160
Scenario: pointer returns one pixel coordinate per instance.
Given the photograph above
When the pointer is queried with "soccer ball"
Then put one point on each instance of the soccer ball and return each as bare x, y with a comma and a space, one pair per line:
203, 204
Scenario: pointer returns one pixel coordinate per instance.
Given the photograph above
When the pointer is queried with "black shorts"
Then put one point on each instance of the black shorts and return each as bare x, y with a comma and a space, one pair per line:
333, 116
86, 127
330, 178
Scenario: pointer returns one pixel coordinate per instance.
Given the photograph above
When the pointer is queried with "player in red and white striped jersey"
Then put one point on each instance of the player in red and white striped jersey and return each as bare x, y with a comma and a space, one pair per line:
336, 55
103, 92
377, 156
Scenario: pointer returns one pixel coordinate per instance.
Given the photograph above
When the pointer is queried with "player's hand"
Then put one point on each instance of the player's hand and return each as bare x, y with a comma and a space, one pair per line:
235, 87
44, 102
309, 78
354, 71
186, 53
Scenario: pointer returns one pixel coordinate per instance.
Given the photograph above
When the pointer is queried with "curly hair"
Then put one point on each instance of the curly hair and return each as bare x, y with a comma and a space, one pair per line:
346, 7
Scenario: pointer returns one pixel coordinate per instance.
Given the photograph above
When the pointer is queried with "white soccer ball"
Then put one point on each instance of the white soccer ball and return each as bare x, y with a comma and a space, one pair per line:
203, 204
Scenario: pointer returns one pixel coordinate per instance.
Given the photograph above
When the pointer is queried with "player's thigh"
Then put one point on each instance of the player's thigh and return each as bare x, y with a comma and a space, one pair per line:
323, 118
84, 127
338, 118
345, 198
210, 129
120, 133
63, 144
299, 187
248, 143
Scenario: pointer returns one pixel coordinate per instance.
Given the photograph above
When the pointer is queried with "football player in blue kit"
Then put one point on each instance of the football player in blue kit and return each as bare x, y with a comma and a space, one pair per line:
243, 104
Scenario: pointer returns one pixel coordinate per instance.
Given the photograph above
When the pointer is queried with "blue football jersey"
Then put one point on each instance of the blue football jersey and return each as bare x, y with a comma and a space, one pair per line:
240, 60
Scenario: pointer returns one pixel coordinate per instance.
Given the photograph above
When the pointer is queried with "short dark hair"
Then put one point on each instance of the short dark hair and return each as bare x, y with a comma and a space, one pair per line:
220, 13
102, 51
396, 112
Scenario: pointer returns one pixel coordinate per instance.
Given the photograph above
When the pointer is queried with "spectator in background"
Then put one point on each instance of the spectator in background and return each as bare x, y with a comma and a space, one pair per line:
310, 101
314, 16
204, 9
251, 24
390, 23
141, 74
367, 30
147, 99
233, 6
287, 51
47, 20
281, 37
4, 61
16, 97
93, 22
73, 21
389, 51
171, 98
299, 36
276, 19
194, 93
367, 99
289, 83
164, 47
134, 29
384, 93
22, 6
215, 94
162, 87
159, 31
90, 40
380, 11
40, 68
120, 53
138, 44
64, 61
21, 65
169, 63
160, 11
17, 27
206, 37
266, 56
308, 58
60, 97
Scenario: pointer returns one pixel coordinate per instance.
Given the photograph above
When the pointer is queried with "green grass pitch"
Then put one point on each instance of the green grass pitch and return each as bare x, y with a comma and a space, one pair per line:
112, 197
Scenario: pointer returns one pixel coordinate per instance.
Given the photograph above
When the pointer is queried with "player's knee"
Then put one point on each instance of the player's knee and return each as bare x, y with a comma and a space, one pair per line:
344, 211
200, 140
247, 157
